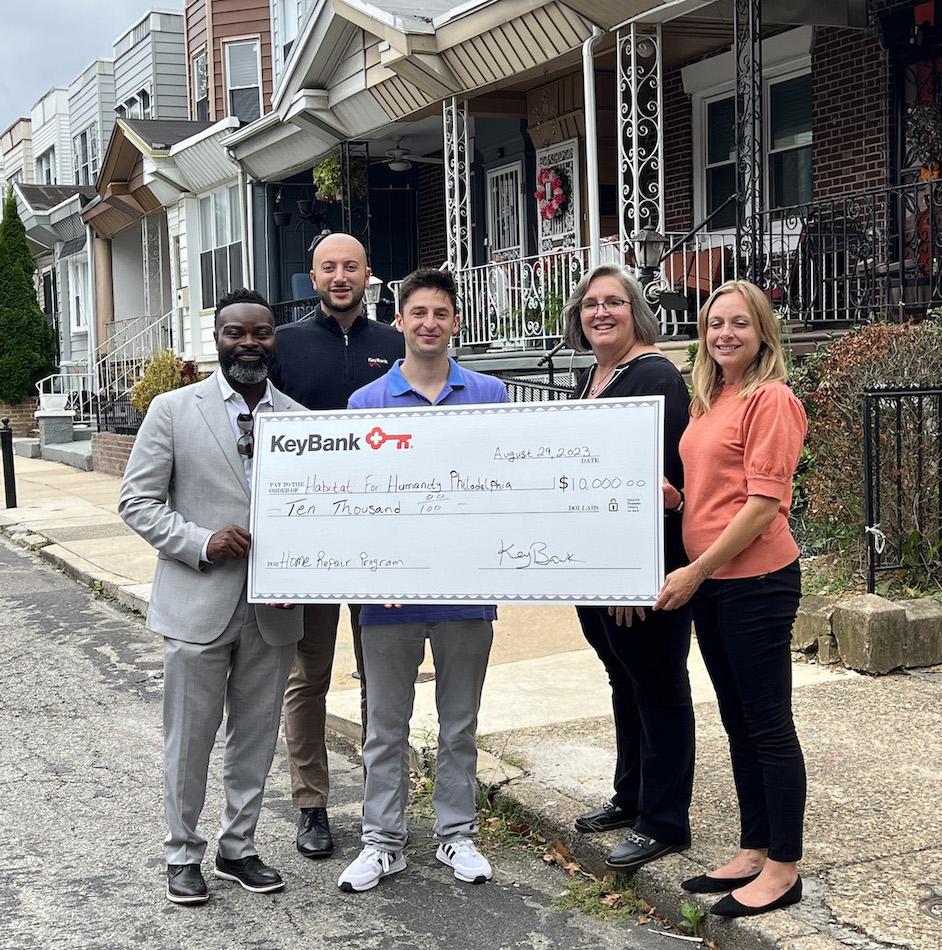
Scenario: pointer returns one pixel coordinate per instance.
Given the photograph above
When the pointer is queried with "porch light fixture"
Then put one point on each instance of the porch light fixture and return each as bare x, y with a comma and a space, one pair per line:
399, 165
371, 294
649, 249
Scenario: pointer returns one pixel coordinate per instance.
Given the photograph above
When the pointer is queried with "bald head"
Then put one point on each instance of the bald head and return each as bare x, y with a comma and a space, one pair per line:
340, 274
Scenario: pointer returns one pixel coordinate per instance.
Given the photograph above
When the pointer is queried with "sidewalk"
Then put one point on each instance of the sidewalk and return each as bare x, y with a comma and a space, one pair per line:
873, 862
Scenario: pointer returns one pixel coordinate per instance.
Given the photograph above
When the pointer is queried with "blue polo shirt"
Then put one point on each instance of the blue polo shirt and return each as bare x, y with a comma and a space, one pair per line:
393, 391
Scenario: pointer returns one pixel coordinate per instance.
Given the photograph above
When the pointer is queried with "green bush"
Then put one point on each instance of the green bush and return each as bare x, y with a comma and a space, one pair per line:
830, 487
165, 372
27, 339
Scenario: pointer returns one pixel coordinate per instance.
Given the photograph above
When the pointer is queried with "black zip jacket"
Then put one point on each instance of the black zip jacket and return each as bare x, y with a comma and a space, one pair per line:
320, 366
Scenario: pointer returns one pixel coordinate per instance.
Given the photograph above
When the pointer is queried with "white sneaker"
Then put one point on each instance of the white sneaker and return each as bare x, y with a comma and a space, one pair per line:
465, 860
369, 867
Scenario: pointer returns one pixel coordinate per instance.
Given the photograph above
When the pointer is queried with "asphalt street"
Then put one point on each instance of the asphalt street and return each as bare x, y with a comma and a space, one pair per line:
81, 812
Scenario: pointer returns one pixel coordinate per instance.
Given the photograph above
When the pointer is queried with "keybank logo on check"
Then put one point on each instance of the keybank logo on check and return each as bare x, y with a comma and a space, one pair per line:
315, 442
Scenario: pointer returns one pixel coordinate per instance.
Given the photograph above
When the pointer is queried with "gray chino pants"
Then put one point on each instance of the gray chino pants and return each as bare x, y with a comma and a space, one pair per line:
241, 672
392, 654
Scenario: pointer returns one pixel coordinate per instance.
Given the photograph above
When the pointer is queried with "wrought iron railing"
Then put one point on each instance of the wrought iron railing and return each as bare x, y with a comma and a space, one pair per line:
290, 311
903, 481
118, 371
68, 391
538, 388
119, 416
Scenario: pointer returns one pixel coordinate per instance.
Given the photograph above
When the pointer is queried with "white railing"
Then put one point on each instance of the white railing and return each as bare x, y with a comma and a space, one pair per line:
118, 332
67, 391
118, 371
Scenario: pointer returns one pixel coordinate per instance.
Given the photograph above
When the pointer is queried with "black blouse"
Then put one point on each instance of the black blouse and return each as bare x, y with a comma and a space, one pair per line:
654, 375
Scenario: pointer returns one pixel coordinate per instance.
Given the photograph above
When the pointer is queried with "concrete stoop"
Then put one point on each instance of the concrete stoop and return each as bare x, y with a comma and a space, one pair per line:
77, 454
27, 448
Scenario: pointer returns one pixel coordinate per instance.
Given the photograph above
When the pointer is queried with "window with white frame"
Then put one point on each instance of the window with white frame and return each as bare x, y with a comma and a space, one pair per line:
78, 294
244, 80
85, 155
290, 11
220, 244
143, 100
200, 88
46, 167
786, 133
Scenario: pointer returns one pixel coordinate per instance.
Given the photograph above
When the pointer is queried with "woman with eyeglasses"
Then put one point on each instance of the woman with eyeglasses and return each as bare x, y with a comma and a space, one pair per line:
740, 452
644, 654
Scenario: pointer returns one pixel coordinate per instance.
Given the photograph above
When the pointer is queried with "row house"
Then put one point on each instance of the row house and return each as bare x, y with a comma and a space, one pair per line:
52, 147
781, 140
16, 147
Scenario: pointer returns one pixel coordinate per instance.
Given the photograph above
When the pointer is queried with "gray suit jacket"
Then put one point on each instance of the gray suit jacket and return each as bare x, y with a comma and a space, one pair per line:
184, 481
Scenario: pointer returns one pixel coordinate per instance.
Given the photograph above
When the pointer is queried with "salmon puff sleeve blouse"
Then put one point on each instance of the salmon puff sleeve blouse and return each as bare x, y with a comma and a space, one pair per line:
742, 447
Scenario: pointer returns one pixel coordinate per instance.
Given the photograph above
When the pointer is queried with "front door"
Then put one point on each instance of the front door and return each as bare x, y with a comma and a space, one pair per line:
505, 231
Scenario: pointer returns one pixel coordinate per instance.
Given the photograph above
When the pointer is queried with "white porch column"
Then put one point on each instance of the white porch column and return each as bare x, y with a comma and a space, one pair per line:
591, 146
457, 183
91, 318
640, 132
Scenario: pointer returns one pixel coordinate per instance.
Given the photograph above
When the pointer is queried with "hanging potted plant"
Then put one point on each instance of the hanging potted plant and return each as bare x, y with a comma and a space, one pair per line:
924, 138
328, 178
281, 216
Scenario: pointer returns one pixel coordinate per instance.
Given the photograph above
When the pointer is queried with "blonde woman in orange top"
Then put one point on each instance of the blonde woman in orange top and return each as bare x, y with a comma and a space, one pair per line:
739, 454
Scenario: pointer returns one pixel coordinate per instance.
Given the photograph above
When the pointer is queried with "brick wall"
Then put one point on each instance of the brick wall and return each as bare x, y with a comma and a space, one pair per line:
110, 452
678, 153
22, 418
430, 197
851, 101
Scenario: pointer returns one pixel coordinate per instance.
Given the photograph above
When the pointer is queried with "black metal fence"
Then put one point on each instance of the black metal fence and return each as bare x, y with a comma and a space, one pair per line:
119, 416
290, 311
903, 482
538, 388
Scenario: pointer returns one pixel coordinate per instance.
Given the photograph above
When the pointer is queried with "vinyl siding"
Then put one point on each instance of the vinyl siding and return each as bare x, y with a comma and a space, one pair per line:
157, 65
51, 129
91, 99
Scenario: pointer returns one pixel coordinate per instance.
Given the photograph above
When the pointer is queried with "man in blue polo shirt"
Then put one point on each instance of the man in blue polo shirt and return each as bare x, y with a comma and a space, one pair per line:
394, 636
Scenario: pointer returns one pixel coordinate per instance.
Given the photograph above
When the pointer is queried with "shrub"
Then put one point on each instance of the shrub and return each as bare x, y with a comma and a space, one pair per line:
27, 339
165, 372
830, 489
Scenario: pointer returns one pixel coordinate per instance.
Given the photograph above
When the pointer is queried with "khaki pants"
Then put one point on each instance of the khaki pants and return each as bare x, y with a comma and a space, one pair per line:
306, 701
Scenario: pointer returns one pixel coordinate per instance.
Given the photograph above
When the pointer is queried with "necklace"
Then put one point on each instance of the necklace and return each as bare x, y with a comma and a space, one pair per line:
603, 383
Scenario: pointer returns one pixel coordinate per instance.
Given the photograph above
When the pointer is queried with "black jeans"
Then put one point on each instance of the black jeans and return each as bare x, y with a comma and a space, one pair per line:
654, 727
744, 632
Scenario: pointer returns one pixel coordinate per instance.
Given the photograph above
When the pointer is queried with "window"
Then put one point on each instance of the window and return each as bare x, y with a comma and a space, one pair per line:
46, 167
78, 293
85, 153
200, 88
721, 160
243, 80
220, 244
143, 98
290, 17
789, 141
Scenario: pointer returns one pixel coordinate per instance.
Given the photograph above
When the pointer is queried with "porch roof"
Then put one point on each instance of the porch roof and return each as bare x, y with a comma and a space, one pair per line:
51, 213
357, 66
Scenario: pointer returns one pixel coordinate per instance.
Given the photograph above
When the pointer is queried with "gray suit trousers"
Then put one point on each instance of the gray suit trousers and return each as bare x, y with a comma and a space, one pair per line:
240, 672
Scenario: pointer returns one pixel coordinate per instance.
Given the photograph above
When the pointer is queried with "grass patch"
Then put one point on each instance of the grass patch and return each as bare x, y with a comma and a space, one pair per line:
607, 898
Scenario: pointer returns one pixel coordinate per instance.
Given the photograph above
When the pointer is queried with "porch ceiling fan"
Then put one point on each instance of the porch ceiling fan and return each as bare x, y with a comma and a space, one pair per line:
399, 159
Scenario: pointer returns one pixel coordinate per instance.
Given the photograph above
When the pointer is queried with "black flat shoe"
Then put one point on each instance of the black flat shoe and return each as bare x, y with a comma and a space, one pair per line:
704, 884
314, 838
607, 818
730, 907
251, 872
185, 884
637, 850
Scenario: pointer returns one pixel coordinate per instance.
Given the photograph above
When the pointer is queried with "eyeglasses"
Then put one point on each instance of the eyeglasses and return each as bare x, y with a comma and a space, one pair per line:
246, 443
609, 303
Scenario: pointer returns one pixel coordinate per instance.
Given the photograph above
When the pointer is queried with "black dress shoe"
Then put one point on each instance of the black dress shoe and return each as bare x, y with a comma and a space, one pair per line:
704, 884
185, 884
730, 907
314, 840
607, 818
250, 872
638, 849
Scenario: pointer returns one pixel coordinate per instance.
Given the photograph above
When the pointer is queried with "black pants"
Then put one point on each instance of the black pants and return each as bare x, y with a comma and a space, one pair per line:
654, 727
744, 632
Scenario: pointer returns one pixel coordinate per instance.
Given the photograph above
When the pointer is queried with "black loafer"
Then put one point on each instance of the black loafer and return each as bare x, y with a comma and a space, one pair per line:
314, 839
704, 884
185, 884
728, 906
250, 872
607, 818
638, 849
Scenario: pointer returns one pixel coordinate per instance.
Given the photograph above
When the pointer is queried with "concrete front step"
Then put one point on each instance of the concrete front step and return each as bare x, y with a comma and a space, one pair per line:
27, 448
77, 454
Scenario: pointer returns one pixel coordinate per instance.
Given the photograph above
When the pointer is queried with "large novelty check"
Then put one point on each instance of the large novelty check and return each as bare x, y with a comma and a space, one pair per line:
543, 502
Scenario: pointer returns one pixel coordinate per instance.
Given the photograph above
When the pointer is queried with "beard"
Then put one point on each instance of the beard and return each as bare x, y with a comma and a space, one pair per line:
354, 303
248, 374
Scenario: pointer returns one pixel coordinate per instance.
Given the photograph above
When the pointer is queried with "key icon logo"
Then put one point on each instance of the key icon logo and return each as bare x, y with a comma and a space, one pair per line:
376, 438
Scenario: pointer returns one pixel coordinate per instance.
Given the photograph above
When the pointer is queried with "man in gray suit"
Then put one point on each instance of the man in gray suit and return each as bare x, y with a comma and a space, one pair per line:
186, 491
